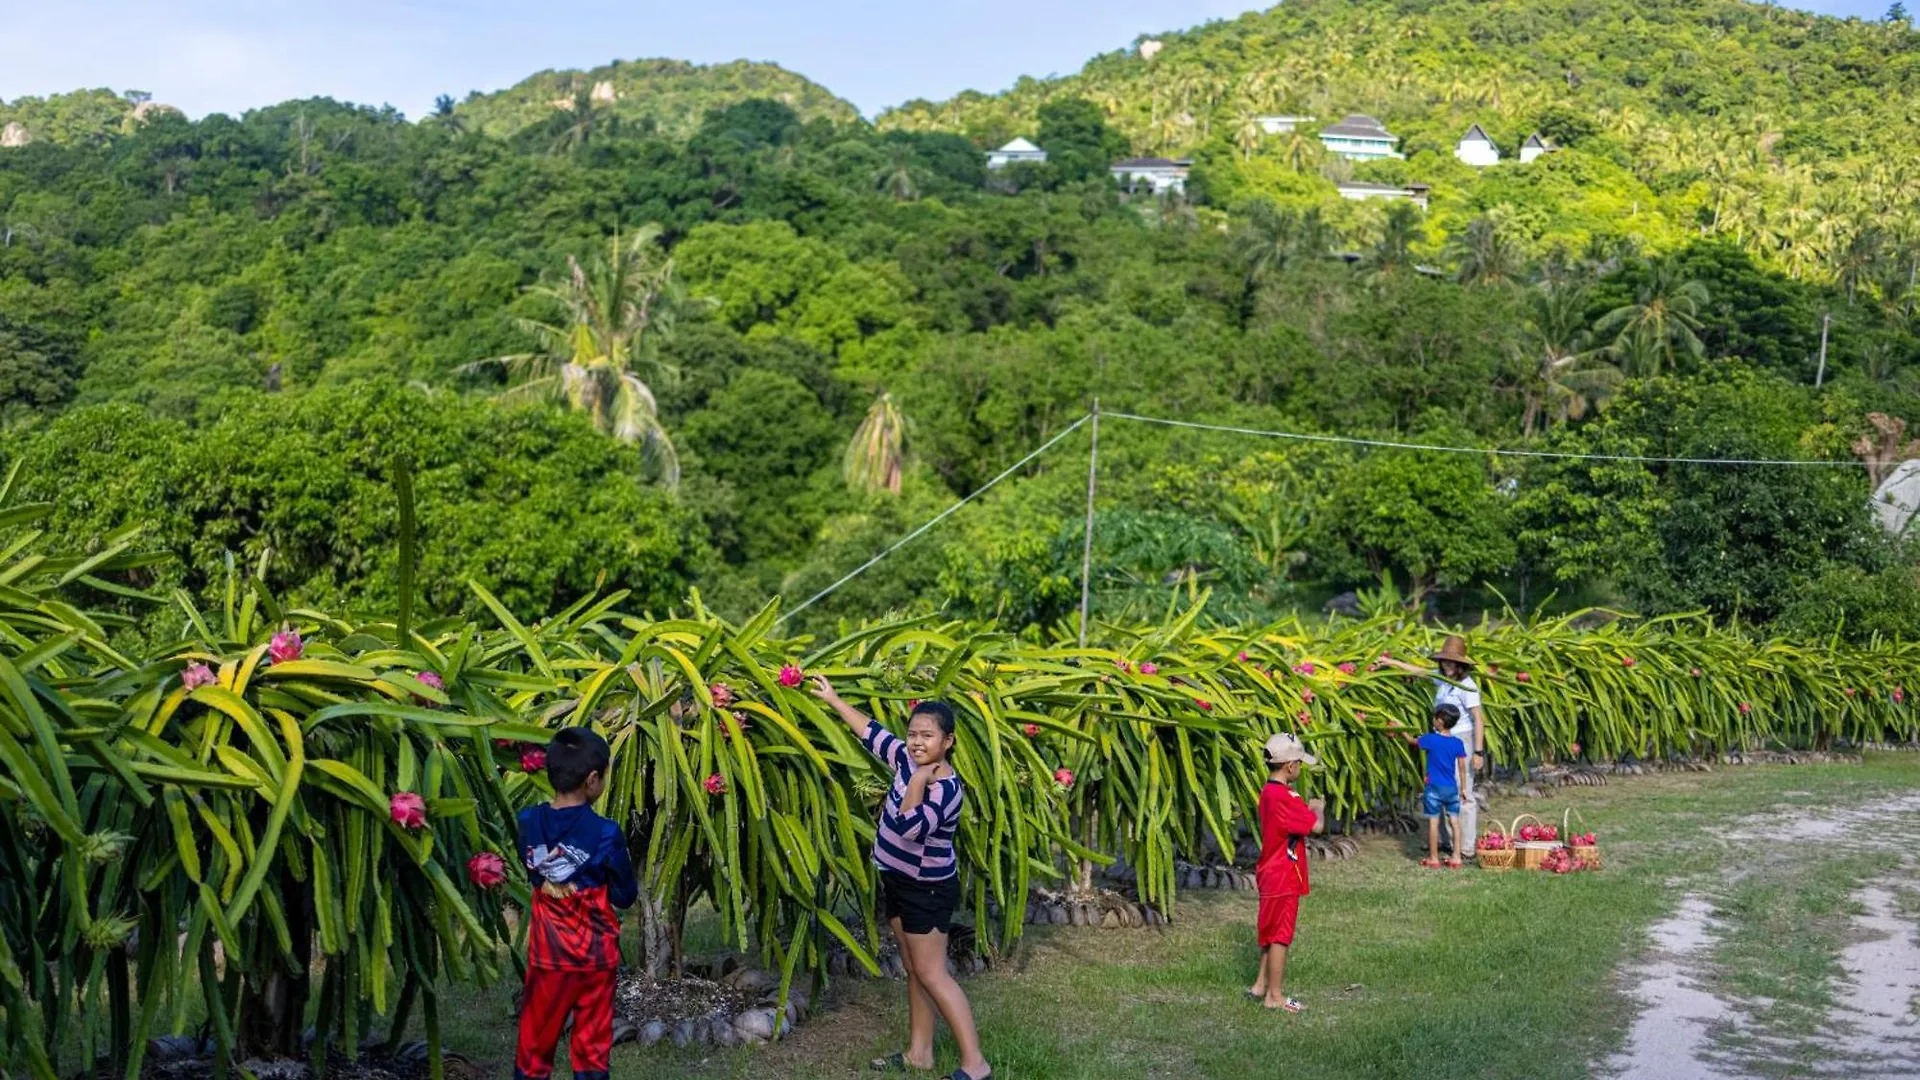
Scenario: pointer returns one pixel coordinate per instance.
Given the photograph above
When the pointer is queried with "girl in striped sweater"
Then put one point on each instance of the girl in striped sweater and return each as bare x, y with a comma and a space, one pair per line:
919, 877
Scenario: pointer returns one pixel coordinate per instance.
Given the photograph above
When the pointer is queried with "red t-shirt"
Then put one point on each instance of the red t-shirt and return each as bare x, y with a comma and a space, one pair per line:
1285, 821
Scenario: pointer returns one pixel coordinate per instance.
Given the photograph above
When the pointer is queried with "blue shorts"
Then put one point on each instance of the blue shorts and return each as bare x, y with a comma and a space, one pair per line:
1437, 800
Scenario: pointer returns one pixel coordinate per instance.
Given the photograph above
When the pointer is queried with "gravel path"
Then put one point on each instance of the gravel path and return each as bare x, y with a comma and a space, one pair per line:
1872, 1030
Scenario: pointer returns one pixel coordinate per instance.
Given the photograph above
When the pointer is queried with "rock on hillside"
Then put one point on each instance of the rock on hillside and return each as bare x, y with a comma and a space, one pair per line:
674, 94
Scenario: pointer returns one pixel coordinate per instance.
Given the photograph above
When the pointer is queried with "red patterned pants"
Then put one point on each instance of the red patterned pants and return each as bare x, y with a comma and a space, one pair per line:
550, 997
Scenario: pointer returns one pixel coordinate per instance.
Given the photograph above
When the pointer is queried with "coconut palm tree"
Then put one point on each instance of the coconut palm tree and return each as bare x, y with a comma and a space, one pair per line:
1486, 254
1271, 239
1663, 319
1565, 378
614, 314
1858, 259
1247, 131
585, 117
1399, 228
897, 176
877, 455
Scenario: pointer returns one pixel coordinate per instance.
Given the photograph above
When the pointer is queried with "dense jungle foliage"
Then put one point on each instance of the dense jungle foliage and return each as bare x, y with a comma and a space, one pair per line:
622, 347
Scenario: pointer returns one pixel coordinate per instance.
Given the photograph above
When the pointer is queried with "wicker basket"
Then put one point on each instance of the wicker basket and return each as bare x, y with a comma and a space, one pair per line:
1531, 853
1585, 856
1496, 858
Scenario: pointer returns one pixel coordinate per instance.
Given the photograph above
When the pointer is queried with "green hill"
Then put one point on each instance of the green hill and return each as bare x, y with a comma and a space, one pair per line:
1782, 130
672, 94
82, 116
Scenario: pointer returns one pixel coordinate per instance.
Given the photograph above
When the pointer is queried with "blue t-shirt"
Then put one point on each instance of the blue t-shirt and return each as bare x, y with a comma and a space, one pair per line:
1442, 752
574, 846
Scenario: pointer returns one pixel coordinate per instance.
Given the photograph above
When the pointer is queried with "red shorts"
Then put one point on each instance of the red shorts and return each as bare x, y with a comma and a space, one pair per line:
1277, 916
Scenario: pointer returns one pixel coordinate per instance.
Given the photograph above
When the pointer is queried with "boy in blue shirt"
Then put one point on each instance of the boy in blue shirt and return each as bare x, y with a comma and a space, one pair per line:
1446, 774
578, 865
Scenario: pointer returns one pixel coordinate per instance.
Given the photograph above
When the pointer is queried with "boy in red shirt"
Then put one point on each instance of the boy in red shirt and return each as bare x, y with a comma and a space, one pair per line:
1285, 821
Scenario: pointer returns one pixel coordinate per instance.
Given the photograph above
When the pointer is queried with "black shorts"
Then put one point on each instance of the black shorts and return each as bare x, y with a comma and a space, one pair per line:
922, 907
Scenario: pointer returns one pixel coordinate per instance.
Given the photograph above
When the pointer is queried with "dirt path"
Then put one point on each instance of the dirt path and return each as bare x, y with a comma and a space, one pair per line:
1686, 1021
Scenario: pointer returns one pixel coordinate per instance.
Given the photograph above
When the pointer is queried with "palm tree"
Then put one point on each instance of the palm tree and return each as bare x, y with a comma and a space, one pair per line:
1302, 151
877, 454
1858, 258
586, 116
896, 177
615, 314
1394, 251
1565, 378
1486, 254
1247, 131
1664, 318
1271, 239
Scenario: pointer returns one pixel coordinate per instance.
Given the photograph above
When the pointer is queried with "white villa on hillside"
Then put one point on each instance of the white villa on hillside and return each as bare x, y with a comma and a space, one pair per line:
1281, 125
1361, 189
1534, 147
1358, 137
1013, 153
1161, 174
1477, 148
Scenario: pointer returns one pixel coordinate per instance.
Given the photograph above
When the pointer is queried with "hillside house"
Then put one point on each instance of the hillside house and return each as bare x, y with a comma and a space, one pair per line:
1281, 125
1534, 147
1359, 137
1361, 189
1477, 148
1160, 175
1015, 152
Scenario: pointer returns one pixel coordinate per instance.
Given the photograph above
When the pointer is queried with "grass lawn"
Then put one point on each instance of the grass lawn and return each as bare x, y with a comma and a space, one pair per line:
1406, 972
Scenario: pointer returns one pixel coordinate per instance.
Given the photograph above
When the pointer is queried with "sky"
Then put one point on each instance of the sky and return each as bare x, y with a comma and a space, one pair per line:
228, 56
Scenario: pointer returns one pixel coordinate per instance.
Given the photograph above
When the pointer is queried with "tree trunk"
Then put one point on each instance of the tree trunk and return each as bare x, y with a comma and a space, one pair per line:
655, 951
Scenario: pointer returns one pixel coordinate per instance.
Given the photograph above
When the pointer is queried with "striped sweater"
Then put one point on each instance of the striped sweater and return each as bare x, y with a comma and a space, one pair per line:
918, 843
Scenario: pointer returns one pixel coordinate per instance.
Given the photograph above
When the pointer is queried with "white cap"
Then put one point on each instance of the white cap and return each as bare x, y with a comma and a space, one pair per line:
1283, 748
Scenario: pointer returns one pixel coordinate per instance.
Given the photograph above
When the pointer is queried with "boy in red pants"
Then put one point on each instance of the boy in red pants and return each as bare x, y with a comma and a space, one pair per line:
578, 865
1285, 821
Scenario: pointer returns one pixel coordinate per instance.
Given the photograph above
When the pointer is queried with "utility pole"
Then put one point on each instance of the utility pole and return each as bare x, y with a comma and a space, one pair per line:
1821, 375
1086, 546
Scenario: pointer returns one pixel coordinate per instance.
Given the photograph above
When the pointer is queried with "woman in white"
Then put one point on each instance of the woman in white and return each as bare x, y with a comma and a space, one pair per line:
1453, 685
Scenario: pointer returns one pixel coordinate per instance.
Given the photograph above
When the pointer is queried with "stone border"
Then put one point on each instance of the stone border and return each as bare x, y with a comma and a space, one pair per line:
724, 1027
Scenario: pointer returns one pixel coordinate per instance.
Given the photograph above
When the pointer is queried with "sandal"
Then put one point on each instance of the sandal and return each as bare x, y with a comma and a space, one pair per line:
1253, 997
1431, 864
1454, 863
962, 1074
894, 1062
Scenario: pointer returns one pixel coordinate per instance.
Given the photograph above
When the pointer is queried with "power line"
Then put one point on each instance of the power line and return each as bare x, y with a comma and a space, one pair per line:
1348, 440
1342, 440
937, 519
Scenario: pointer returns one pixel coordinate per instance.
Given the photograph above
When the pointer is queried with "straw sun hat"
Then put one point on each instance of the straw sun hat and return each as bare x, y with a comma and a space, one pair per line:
1454, 649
